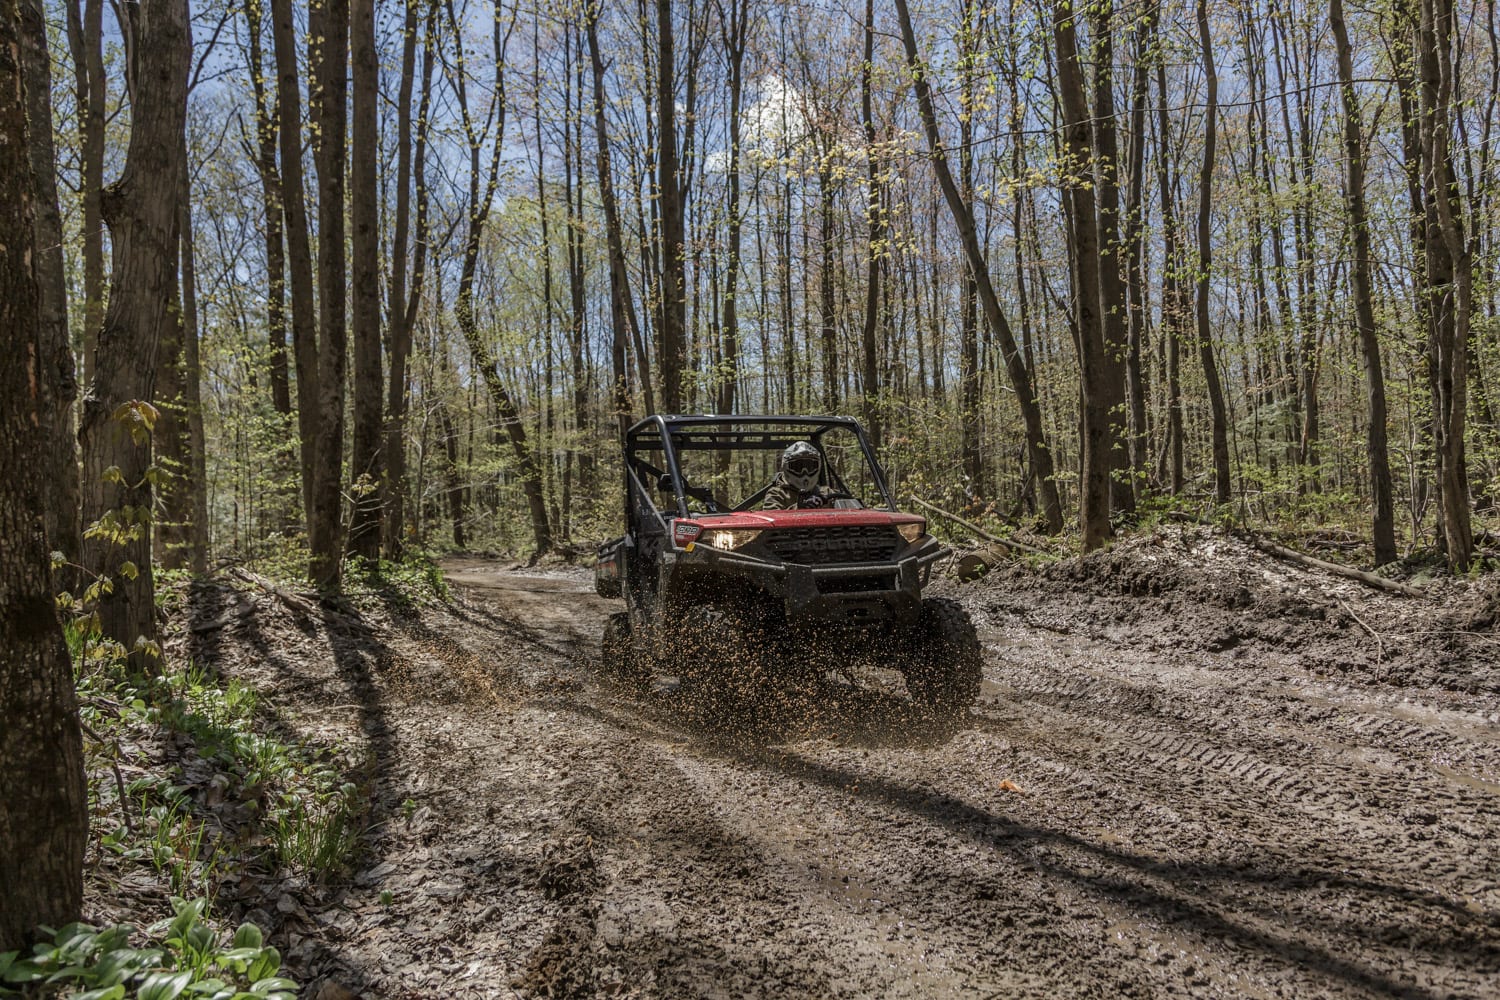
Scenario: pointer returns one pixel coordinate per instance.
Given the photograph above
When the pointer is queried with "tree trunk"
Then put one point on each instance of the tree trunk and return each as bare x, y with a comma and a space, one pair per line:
671, 336
266, 129
480, 200
366, 464
402, 310
58, 385
1094, 367
86, 40
969, 376
192, 386
115, 430
1205, 264
44, 824
328, 55
299, 248
1112, 307
1041, 456
1135, 251
182, 529
1384, 526
623, 322
875, 249
1450, 279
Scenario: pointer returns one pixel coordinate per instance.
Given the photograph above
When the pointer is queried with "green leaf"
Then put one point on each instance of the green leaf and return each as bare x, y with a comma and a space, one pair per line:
207, 986
129, 570
115, 992
163, 985
248, 936
265, 987
267, 965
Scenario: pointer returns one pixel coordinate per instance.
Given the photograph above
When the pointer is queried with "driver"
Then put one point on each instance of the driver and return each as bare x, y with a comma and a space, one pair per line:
796, 483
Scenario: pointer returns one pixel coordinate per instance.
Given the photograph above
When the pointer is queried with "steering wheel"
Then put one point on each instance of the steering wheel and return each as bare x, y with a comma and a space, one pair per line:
830, 499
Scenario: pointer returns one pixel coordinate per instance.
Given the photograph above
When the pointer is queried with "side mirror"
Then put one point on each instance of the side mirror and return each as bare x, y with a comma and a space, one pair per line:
664, 482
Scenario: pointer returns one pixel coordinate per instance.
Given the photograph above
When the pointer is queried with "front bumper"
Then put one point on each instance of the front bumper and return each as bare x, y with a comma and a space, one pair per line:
843, 593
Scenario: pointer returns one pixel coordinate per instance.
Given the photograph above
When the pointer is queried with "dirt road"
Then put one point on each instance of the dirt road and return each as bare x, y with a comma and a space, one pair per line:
1167, 789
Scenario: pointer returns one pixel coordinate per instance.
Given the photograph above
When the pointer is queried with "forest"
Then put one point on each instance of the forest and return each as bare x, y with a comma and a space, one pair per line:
315, 292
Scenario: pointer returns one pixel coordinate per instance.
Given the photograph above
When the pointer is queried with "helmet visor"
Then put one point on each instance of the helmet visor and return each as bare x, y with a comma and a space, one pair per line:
802, 467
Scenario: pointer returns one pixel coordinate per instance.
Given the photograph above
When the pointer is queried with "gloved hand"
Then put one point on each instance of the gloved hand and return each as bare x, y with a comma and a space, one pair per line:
811, 501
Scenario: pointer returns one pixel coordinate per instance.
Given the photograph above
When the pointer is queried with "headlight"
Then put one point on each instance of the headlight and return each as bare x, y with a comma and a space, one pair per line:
729, 538
912, 532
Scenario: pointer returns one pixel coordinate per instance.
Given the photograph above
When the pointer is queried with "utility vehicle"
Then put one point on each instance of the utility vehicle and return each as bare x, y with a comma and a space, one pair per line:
721, 591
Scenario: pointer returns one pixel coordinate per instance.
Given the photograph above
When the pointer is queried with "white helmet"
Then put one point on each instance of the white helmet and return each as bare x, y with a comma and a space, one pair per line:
800, 465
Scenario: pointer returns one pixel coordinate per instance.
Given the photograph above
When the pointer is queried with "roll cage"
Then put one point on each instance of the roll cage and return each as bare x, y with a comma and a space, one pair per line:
667, 435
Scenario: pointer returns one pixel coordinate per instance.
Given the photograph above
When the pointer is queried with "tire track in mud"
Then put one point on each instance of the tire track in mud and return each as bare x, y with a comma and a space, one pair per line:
1327, 806
1174, 825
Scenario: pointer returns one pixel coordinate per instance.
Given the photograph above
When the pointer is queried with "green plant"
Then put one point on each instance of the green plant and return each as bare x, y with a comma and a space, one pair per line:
185, 954
317, 833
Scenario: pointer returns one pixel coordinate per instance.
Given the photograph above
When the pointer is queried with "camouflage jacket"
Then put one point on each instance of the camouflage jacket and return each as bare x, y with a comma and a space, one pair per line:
782, 496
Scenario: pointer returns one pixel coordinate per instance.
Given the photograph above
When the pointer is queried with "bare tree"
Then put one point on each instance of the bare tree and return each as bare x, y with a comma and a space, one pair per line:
328, 56
86, 42
44, 825
366, 459
623, 322
1384, 527
143, 219
671, 334
59, 385
1083, 220
299, 246
1220, 425
411, 165
963, 218
1450, 276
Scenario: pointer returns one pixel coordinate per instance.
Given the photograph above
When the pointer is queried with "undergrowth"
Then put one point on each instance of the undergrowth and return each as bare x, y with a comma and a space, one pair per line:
185, 953
231, 796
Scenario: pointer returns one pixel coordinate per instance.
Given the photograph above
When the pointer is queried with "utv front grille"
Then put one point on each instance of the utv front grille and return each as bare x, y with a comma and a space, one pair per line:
825, 546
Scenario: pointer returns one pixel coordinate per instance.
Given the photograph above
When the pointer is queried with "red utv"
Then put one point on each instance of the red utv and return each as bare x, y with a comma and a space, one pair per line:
721, 590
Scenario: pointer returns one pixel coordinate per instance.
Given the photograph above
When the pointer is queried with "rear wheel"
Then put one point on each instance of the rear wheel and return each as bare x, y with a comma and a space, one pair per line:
944, 670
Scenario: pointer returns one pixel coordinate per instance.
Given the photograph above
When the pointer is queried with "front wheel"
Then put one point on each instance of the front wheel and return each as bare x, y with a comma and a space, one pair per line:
945, 669
620, 661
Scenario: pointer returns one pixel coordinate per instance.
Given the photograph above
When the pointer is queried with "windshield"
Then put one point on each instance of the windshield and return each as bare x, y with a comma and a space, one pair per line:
730, 467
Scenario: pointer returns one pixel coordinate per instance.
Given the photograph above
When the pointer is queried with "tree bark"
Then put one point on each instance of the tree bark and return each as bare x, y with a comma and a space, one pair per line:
299, 247
1383, 525
266, 128
402, 309
181, 540
115, 430
963, 217
875, 249
1135, 250
59, 384
671, 334
623, 323
366, 460
86, 40
1220, 427
44, 824
328, 55
1450, 279
736, 23
1112, 308
1094, 367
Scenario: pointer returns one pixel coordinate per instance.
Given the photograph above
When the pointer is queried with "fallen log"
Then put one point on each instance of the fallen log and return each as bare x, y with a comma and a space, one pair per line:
1348, 572
290, 600
1009, 543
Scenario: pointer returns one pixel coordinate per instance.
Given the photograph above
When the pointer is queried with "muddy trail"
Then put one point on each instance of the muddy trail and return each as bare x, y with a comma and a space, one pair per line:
1193, 771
